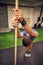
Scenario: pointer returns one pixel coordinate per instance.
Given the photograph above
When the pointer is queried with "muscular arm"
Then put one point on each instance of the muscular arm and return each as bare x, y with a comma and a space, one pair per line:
19, 33
19, 18
30, 30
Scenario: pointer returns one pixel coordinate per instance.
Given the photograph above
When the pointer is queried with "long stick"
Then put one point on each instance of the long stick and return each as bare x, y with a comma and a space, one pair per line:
15, 57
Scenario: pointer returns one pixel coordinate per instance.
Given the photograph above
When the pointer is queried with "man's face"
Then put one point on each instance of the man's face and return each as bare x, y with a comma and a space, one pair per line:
26, 40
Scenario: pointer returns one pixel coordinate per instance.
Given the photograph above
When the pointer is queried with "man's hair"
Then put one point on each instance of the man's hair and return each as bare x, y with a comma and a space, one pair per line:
26, 41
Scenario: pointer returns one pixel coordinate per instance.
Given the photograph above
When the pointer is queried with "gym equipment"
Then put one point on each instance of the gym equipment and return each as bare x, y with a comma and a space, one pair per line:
38, 24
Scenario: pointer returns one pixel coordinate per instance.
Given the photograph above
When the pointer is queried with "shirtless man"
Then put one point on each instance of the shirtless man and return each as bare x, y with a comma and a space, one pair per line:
28, 34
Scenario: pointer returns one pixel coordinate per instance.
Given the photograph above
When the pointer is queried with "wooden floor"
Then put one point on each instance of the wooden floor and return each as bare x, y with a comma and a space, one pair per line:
7, 55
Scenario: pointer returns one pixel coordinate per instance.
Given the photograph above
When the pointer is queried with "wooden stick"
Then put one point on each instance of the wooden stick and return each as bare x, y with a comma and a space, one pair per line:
15, 56
16, 5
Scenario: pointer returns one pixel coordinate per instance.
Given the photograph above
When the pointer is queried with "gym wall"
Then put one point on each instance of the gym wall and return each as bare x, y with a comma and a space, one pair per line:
31, 13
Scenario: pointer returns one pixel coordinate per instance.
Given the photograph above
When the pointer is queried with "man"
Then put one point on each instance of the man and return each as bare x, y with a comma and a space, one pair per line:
28, 34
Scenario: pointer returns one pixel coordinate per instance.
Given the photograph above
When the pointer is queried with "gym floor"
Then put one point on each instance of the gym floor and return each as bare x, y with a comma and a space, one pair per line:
7, 55
7, 39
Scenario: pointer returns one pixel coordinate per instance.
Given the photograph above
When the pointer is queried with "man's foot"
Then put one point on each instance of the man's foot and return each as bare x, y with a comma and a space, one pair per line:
28, 54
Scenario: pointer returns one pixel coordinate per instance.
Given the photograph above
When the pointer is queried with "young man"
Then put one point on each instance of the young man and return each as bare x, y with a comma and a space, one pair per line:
28, 34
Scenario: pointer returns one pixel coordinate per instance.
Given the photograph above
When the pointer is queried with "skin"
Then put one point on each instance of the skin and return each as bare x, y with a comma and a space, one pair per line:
18, 18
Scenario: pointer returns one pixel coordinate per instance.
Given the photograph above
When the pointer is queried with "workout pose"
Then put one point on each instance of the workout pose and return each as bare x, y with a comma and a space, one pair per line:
28, 34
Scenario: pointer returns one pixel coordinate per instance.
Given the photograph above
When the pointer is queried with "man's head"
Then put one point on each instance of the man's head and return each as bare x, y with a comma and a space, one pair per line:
26, 41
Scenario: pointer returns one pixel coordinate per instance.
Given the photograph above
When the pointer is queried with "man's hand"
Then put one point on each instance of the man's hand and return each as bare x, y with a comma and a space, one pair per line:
15, 22
17, 18
18, 14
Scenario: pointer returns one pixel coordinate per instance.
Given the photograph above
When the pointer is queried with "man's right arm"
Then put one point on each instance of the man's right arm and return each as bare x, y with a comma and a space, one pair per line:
19, 33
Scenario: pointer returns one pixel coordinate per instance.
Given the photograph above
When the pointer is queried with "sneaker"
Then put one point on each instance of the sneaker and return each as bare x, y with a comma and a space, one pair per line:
28, 54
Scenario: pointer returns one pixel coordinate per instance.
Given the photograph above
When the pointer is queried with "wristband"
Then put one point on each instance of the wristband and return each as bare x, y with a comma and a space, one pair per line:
23, 23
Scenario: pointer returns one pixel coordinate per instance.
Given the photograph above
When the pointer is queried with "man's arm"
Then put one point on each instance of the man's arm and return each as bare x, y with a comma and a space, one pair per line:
27, 28
19, 33
19, 16
30, 30
14, 24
